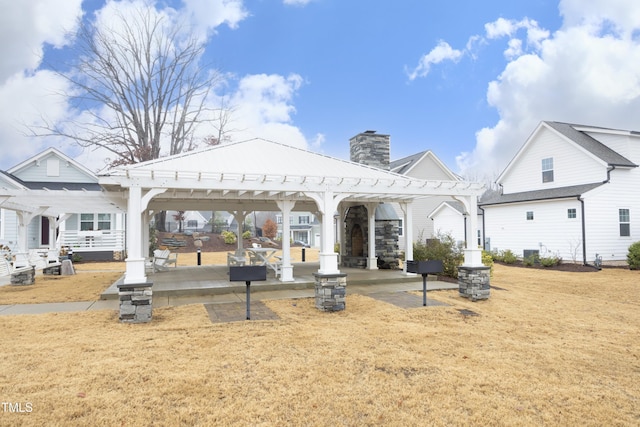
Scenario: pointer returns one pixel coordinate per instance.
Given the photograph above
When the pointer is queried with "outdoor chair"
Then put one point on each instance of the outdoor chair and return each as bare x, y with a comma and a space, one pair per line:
163, 258
236, 258
6, 269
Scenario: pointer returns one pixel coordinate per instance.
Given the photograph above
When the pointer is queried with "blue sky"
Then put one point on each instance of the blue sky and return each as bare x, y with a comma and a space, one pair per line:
467, 79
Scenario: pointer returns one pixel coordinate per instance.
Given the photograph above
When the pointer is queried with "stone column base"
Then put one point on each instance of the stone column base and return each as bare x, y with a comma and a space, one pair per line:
135, 302
27, 277
330, 291
474, 282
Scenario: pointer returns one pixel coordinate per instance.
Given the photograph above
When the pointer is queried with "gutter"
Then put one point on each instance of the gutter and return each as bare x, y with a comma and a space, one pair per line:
484, 238
584, 236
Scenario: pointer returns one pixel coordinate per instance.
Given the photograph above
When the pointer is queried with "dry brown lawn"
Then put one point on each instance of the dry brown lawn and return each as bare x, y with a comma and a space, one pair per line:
551, 348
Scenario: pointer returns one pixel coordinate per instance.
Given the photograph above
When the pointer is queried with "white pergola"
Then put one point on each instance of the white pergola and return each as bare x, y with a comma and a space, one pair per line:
260, 175
54, 202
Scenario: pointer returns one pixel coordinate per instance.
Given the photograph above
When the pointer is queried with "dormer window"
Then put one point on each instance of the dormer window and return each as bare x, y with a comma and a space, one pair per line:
547, 169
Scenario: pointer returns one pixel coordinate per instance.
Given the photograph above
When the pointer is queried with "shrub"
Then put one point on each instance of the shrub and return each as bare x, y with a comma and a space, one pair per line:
530, 261
269, 229
229, 237
487, 259
633, 256
550, 261
444, 248
246, 235
508, 257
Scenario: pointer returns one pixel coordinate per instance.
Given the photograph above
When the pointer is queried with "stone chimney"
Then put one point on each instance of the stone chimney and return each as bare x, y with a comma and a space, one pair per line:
371, 149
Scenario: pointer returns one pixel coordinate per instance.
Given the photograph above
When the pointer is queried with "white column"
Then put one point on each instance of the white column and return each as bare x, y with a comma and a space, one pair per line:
327, 205
472, 254
372, 260
135, 260
342, 211
407, 210
285, 207
52, 232
239, 216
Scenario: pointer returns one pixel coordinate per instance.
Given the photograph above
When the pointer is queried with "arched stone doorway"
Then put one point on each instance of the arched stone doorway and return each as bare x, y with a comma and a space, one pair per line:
357, 241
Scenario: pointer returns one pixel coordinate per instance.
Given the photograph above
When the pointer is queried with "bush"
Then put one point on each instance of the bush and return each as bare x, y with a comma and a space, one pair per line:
633, 256
444, 248
530, 261
550, 261
508, 257
487, 259
246, 235
229, 237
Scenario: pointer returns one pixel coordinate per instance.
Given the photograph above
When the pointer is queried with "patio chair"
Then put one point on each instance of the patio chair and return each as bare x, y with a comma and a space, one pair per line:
162, 259
6, 269
236, 258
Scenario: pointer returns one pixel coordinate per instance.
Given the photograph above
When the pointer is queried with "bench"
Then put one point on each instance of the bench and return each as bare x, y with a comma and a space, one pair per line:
163, 258
236, 258
19, 275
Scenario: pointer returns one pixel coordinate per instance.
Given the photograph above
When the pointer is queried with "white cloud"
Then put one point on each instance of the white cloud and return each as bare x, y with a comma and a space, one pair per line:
442, 52
263, 107
296, 2
586, 72
27, 25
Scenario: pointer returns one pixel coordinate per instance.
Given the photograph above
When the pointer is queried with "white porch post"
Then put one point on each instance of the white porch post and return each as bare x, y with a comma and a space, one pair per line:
407, 210
135, 260
472, 254
372, 260
342, 231
239, 216
52, 232
24, 219
327, 205
285, 207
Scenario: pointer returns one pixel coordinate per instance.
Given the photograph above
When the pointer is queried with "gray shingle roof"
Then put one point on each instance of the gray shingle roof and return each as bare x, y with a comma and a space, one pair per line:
547, 194
592, 145
401, 166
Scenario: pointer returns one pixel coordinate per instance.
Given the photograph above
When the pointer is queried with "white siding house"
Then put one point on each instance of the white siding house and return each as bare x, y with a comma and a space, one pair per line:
571, 191
92, 234
426, 165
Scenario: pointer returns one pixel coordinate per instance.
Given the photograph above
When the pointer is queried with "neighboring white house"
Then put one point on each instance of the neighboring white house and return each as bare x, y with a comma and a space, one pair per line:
303, 227
429, 213
94, 234
571, 191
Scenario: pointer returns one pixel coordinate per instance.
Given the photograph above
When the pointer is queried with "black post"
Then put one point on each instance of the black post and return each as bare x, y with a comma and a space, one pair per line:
199, 257
248, 283
303, 255
424, 290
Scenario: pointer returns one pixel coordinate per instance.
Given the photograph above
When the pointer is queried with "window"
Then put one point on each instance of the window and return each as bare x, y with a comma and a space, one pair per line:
279, 219
192, 223
529, 215
571, 213
104, 221
303, 219
625, 222
400, 227
547, 169
86, 222
90, 222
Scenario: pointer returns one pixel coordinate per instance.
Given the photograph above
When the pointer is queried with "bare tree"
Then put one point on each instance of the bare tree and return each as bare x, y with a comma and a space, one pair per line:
142, 87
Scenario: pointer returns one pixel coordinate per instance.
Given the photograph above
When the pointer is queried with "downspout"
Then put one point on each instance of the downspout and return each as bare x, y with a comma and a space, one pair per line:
609, 170
484, 240
584, 236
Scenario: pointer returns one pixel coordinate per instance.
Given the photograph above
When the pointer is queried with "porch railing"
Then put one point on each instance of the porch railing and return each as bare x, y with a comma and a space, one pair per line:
84, 241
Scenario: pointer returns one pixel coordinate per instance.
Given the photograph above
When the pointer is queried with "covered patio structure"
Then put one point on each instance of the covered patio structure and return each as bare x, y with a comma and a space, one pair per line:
261, 175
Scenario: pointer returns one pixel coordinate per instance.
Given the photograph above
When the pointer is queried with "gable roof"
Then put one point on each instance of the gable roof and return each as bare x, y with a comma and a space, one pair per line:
91, 177
258, 170
455, 206
406, 164
592, 145
570, 133
573, 191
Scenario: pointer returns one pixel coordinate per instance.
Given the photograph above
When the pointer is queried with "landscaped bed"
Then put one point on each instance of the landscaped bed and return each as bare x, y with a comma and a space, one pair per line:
548, 347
